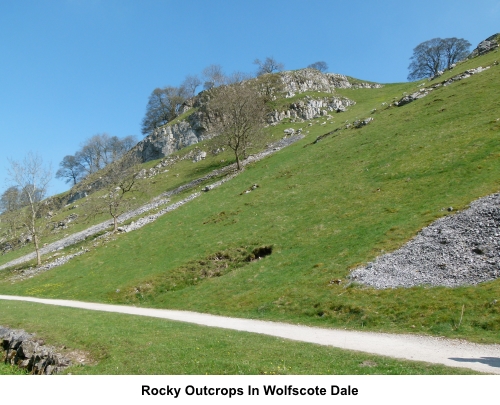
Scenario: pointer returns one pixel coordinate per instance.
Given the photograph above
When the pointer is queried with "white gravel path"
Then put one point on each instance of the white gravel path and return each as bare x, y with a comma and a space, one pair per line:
453, 353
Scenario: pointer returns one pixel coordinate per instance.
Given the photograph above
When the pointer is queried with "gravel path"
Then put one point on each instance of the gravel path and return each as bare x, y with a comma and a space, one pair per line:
459, 249
453, 353
162, 199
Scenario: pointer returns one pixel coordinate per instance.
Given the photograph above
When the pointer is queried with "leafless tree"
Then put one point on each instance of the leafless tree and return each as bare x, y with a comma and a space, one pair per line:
434, 55
32, 178
321, 66
214, 76
96, 153
164, 105
190, 84
240, 112
270, 65
121, 182
70, 169
10, 202
455, 49
270, 86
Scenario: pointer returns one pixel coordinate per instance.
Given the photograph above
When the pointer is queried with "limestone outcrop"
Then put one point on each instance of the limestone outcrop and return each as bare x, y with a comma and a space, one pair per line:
22, 349
300, 81
309, 108
198, 126
488, 45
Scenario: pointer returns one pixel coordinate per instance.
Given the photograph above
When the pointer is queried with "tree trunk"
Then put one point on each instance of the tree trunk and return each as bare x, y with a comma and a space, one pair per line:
37, 250
115, 223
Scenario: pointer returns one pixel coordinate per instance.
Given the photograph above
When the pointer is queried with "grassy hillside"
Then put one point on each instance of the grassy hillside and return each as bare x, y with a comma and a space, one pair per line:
325, 208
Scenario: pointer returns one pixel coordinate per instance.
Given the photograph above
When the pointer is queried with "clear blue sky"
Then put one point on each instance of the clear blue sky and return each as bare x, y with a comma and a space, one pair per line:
70, 69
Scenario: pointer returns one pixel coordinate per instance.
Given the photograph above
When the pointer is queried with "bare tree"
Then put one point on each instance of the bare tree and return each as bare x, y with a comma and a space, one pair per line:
10, 200
214, 76
164, 105
10, 203
240, 112
32, 178
455, 49
270, 86
321, 66
96, 153
434, 55
190, 84
121, 182
70, 169
270, 65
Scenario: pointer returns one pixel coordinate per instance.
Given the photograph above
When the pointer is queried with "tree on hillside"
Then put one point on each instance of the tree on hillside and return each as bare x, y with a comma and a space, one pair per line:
190, 84
121, 182
70, 169
455, 49
31, 177
269, 65
96, 153
164, 105
434, 55
214, 76
321, 66
240, 112
10, 202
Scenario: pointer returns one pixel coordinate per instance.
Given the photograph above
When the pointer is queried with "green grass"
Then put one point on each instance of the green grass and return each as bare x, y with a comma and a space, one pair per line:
325, 208
6, 369
124, 344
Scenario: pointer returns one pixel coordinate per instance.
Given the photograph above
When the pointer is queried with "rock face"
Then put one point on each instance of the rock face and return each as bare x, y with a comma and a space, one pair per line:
300, 81
198, 126
460, 249
24, 350
310, 108
168, 139
488, 45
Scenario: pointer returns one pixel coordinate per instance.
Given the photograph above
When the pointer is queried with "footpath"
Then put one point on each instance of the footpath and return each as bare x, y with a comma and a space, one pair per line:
449, 352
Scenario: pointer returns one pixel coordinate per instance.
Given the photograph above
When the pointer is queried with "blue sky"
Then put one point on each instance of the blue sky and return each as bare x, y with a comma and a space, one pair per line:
70, 69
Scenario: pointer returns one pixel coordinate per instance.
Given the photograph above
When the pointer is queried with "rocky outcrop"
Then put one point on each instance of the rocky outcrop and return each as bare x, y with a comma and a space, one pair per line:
22, 349
300, 81
460, 249
408, 98
198, 126
309, 108
488, 45
170, 138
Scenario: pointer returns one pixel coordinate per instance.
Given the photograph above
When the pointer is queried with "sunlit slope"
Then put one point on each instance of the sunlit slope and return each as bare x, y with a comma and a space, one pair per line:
325, 208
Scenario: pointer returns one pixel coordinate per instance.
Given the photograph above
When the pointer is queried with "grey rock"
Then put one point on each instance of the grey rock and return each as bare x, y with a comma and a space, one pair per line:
489, 44
460, 249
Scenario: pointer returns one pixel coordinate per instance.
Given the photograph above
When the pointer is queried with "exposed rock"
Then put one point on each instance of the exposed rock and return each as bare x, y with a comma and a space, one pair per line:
24, 350
488, 45
310, 108
362, 123
198, 125
76, 196
460, 249
170, 138
408, 98
300, 81
199, 155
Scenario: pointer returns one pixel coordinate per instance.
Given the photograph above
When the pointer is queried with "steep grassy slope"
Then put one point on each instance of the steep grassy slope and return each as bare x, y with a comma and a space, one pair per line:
325, 207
